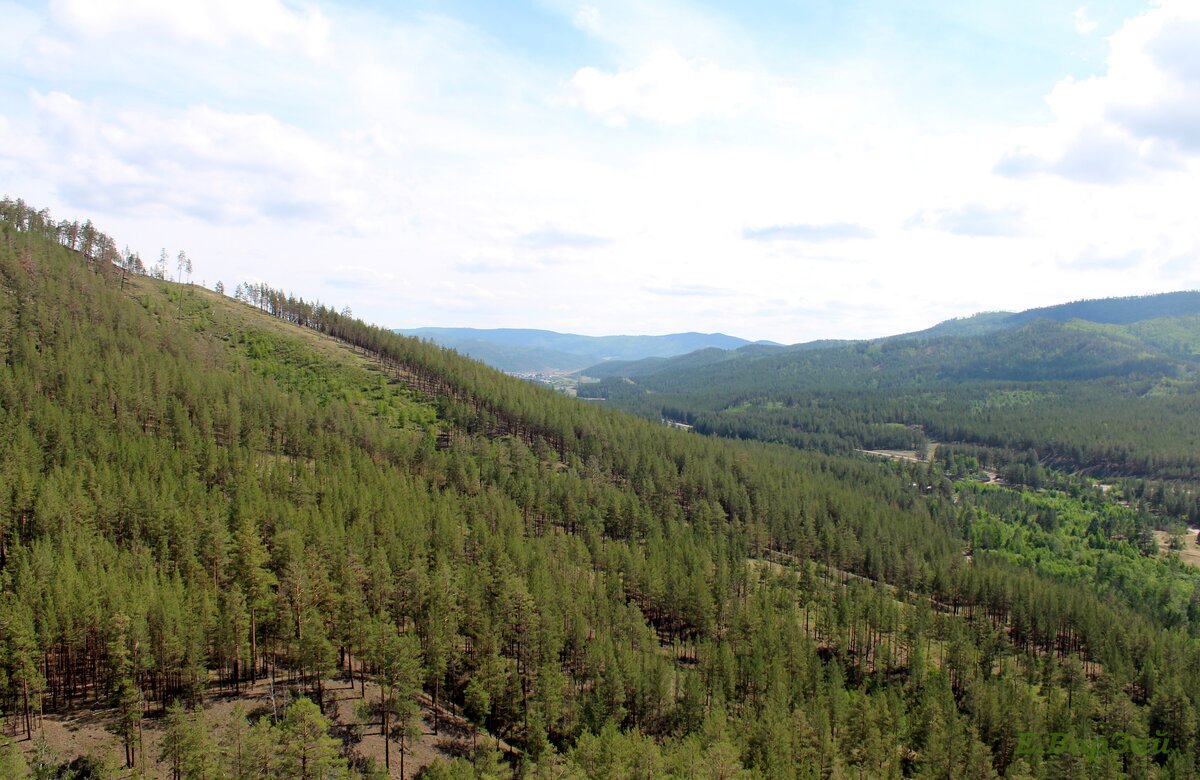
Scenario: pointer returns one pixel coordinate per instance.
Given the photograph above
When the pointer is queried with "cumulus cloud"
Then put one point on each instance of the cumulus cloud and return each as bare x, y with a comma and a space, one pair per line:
587, 18
1095, 153
1094, 259
974, 219
665, 89
357, 277
433, 134
690, 291
554, 238
1084, 25
1141, 117
835, 231
268, 23
494, 267
1182, 266
493, 261
214, 165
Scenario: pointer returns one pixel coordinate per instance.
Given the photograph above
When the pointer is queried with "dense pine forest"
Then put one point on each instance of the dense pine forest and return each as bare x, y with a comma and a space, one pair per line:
1116, 397
253, 537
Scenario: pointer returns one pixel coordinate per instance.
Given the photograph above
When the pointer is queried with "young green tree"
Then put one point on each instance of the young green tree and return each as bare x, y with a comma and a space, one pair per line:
12, 762
264, 750
314, 653
396, 659
457, 769
20, 652
126, 694
235, 745
188, 747
477, 705
309, 752
255, 579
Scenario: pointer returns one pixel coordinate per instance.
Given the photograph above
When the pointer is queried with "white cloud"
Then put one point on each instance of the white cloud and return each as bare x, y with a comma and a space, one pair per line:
498, 261
345, 276
1141, 117
552, 238
666, 89
587, 18
690, 291
837, 231
202, 162
422, 177
1094, 259
975, 220
268, 23
1084, 25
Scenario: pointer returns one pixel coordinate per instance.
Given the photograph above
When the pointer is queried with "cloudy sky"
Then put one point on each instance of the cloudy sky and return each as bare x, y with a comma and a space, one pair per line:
835, 168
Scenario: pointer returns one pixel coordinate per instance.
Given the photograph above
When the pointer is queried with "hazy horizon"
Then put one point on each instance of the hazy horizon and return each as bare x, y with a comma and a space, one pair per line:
844, 171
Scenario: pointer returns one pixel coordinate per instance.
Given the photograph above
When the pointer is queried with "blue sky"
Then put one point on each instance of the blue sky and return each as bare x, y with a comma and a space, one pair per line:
787, 171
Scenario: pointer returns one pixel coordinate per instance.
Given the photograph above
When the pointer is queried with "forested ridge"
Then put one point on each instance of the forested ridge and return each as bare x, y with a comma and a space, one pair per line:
198, 494
1118, 400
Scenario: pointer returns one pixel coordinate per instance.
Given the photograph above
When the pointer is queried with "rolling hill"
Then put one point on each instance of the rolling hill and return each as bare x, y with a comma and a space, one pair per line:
1107, 311
1116, 393
524, 350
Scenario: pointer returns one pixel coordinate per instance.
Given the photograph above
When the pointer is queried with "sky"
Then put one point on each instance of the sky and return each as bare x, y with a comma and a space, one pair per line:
775, 170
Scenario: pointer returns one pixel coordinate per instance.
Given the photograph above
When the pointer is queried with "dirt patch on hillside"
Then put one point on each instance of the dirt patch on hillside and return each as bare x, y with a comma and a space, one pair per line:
87, 730
1190, 554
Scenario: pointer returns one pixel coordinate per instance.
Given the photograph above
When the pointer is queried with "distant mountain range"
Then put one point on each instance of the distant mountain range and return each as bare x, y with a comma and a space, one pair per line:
521, 350
1108, 385
525, 350
1105, 311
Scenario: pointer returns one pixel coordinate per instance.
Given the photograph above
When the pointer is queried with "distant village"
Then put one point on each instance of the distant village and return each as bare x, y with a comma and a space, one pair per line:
560, 381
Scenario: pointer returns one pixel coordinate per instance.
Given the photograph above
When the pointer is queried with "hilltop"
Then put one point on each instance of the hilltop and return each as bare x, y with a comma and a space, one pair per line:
1106, 311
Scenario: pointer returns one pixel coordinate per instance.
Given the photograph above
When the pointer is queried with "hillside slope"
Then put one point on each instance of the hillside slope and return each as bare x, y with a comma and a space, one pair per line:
204, 501
1105, 311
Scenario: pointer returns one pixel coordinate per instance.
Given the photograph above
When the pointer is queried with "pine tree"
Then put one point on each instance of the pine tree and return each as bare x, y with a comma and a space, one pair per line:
126, 693
309, 752
187, 745
264, 750
20, 651
396, 660
255, 579
477, 706
237, 757
12, 762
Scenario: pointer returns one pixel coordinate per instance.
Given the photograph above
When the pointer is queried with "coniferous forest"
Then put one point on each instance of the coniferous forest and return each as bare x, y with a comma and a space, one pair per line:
253, 537
1114, 397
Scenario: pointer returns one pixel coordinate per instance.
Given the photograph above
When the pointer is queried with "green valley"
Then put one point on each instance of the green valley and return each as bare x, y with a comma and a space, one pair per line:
1115, 401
